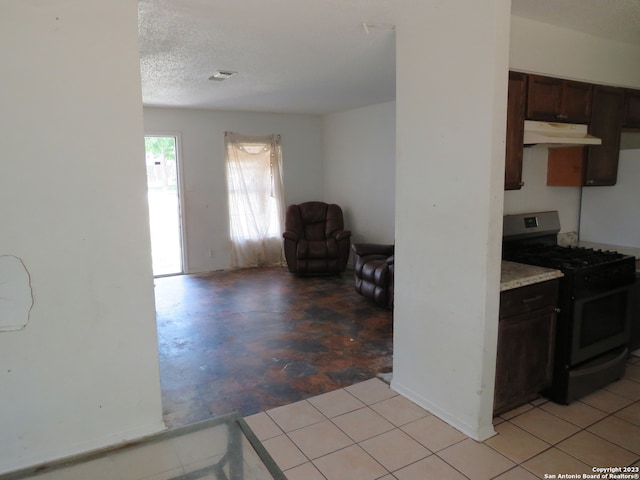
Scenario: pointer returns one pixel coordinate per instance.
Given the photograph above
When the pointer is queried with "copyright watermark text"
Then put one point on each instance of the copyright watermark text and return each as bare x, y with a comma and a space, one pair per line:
599, 473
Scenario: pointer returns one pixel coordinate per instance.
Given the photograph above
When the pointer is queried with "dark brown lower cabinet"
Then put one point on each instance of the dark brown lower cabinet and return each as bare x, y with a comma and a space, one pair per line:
526, 341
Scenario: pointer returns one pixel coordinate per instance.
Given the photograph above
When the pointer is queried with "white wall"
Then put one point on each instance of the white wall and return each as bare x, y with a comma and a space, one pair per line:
83, 373
535, 196
202, 156
542, 48
359, 170
545, 49
610, 215
451, 117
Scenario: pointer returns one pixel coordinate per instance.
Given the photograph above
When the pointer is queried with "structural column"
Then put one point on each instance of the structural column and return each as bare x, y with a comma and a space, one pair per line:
452, 68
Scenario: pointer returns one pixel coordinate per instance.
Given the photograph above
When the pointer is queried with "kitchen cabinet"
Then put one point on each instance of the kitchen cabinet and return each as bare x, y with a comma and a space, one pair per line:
526, 342
597, 164
516, 105
632, 109
607, 112
558, 100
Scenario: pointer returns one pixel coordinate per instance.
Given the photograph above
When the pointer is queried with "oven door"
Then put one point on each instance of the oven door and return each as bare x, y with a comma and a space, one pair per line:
601, 322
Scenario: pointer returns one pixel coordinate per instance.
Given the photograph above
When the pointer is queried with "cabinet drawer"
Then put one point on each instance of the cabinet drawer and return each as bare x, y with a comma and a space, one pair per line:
529, 298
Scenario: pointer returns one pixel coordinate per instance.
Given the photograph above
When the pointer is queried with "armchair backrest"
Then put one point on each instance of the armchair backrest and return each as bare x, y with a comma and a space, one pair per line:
314, 220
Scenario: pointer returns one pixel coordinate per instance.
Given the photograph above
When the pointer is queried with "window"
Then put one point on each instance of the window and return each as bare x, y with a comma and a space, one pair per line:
256, 204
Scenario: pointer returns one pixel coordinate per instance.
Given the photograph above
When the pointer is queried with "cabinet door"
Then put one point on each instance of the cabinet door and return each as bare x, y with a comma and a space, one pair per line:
576, 102
515, 130
632, 109
524, 364
558, 100
606, 123
544, 98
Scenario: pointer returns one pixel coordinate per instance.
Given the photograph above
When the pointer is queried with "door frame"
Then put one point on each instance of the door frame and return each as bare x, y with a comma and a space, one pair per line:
181, 202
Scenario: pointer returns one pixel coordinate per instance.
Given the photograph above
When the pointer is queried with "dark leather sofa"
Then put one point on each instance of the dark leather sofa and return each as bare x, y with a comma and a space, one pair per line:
373, 272
315, 241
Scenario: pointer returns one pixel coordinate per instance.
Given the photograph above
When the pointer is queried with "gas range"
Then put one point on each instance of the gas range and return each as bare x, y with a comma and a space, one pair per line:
595, 295
584, 268
532, 239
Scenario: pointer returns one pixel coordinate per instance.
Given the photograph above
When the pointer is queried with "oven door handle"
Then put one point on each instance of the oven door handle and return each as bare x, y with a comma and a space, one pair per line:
611, 360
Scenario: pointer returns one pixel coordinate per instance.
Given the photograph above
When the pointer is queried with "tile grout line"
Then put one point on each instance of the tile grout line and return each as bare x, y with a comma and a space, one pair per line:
582, 429
517, 464
353, 441
358, 444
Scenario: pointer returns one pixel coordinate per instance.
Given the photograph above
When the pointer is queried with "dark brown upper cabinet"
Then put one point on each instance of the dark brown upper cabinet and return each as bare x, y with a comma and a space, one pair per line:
606, 123
516, 105
632, 109
558, 100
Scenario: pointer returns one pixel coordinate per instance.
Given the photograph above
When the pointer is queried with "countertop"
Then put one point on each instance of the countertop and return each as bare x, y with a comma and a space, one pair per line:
516, 275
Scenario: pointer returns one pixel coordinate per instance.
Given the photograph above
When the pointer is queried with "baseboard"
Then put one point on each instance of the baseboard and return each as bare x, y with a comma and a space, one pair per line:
477, 433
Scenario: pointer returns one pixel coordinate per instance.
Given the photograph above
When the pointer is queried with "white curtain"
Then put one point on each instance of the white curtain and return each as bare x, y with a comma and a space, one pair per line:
256, 199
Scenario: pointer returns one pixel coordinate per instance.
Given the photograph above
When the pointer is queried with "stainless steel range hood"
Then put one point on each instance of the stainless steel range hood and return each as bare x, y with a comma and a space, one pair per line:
549, 134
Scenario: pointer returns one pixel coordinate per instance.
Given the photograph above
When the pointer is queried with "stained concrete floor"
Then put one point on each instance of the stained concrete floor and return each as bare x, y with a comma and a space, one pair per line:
254, 339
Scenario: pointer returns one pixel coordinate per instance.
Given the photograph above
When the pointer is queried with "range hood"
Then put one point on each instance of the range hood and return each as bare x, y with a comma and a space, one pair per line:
549, 134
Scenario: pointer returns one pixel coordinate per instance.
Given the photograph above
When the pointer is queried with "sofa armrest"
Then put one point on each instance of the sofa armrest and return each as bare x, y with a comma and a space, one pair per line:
363, 249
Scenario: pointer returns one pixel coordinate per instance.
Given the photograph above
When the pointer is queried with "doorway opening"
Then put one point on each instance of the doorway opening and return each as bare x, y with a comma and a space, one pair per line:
165, 218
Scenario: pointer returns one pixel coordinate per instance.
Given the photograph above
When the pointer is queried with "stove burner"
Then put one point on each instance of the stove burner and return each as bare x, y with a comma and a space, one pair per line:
563, 258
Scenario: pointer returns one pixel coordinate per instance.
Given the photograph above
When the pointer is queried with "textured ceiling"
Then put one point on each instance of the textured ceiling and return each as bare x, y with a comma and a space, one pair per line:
307, 56
290, 55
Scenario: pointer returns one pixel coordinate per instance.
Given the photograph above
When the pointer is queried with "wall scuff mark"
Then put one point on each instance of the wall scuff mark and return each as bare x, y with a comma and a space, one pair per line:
16, 296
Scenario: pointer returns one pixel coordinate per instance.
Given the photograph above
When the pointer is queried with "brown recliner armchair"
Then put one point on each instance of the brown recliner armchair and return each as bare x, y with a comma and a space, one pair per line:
374, 271
315, 241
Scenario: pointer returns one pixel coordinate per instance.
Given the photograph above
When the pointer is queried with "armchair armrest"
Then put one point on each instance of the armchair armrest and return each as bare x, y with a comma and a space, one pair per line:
391, 260
289, 235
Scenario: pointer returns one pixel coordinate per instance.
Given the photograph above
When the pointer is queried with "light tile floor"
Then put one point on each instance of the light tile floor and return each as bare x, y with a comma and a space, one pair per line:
367, 432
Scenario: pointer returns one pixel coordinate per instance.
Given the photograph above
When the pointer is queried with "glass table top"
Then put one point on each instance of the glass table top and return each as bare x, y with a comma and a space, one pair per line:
223, 448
